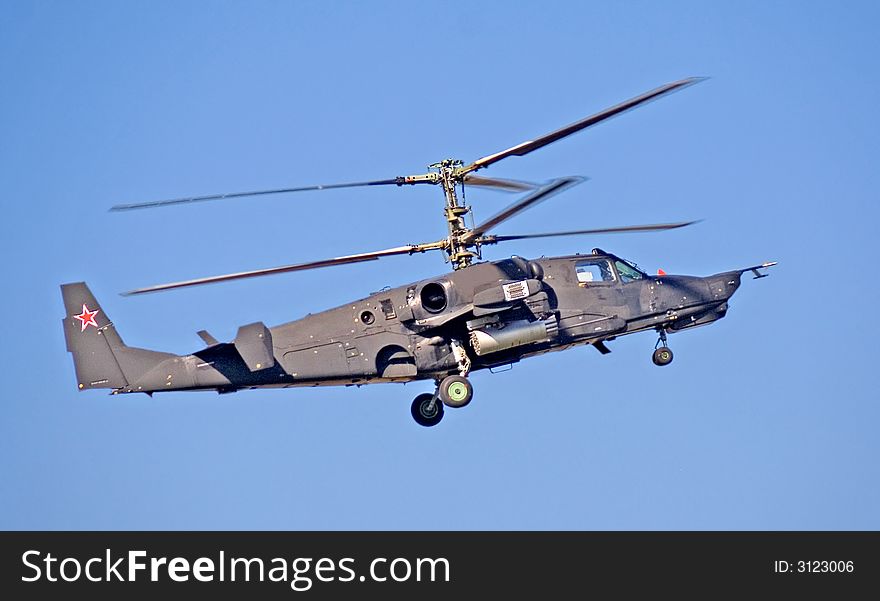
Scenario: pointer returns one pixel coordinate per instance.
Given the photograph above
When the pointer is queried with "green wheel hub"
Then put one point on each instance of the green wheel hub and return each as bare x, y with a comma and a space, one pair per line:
457, 391
662, 356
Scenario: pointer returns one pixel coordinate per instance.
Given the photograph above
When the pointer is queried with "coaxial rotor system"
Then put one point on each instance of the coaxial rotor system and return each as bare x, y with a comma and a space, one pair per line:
462, 243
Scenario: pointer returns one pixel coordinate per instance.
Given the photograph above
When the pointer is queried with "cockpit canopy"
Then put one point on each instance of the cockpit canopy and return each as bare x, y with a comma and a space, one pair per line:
605, 267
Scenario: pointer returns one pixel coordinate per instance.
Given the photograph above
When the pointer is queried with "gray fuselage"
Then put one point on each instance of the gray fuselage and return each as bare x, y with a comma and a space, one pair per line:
408, 333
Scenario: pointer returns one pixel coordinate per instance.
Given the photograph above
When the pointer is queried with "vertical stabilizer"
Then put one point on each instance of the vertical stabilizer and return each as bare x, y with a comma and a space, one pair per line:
101, 359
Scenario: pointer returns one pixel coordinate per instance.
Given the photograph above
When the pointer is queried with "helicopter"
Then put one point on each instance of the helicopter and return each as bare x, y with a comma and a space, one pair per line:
480, 315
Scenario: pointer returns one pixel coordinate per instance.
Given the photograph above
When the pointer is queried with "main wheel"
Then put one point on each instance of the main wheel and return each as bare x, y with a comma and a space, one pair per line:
455, 391
662, 356
424, 413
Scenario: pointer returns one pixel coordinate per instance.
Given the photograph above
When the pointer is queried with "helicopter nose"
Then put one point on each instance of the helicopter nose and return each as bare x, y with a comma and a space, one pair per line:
723, 285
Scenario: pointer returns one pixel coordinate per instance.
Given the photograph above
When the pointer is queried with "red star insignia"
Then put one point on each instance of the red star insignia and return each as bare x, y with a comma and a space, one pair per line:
87, 318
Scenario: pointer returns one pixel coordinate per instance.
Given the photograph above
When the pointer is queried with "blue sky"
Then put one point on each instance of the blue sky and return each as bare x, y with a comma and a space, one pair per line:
766, 420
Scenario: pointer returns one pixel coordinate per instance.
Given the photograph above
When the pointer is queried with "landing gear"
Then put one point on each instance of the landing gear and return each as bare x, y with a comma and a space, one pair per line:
427, 410
455, 391
662, 356
662, 353
452, 391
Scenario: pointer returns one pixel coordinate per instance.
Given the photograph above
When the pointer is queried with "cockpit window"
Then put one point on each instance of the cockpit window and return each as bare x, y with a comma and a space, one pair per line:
627, 272
594, 270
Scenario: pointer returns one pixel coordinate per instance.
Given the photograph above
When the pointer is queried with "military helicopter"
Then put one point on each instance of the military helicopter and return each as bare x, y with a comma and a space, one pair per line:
481, 315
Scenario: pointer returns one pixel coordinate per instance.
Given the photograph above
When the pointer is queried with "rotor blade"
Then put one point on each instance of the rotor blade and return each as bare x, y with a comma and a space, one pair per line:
399, 181
542, 193
530, 145
657, 227
505, 185
358, 258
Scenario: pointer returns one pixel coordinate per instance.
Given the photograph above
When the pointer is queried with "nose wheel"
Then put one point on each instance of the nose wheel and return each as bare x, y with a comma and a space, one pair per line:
662, 353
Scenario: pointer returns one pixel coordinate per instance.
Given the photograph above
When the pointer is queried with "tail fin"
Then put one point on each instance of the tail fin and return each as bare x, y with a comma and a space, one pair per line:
101, 359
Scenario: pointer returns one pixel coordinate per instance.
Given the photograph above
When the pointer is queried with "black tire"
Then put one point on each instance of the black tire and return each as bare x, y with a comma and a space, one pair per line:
662, 356
455, 391
421, 413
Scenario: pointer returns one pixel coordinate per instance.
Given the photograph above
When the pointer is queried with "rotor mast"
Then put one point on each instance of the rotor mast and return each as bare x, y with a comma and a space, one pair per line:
450, 174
